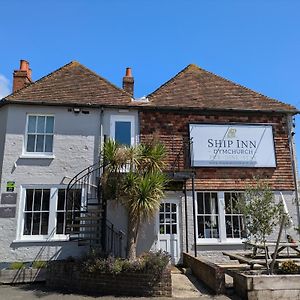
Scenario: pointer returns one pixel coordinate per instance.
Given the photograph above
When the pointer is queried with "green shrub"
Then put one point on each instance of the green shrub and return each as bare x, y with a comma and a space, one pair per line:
39, 264
289, 267
17, 265
150, 262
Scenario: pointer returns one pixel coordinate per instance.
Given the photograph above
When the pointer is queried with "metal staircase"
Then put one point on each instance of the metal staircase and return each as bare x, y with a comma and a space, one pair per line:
86, 220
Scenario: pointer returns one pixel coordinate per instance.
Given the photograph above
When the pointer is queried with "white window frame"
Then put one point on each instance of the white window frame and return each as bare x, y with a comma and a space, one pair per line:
123, 118
52, 235
222, 225
26, 154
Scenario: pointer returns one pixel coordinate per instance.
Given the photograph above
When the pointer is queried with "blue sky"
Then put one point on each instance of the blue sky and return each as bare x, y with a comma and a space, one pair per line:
253, 42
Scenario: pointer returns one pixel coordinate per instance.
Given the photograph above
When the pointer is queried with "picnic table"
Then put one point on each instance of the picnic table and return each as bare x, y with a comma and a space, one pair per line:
271, 244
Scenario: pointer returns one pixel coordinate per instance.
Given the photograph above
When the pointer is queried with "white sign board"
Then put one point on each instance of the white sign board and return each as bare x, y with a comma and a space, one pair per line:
232, 146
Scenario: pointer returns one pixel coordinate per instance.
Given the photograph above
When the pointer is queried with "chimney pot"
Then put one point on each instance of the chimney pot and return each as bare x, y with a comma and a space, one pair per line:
24, 65
128, 72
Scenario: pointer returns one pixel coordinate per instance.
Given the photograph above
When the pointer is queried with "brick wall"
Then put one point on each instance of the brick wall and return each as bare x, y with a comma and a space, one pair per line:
67, 276
171, 128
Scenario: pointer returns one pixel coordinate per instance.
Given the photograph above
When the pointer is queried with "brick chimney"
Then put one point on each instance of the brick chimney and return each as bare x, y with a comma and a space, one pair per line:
128, 82
22, 77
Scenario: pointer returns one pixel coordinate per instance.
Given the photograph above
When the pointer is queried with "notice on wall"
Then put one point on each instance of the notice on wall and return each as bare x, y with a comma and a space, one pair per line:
232, 145
8, 198
7, 212
10, 186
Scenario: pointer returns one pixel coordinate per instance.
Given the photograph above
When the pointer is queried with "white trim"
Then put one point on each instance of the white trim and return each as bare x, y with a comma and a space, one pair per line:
126, 118
172, 199
222, 240
51, 236
45, 155
34, 154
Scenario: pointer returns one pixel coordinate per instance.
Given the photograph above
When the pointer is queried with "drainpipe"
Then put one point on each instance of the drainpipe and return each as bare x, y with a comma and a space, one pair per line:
294, 162
194, 214
186, 220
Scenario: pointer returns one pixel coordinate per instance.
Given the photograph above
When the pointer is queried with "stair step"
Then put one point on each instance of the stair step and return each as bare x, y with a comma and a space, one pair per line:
88, 218
82, 225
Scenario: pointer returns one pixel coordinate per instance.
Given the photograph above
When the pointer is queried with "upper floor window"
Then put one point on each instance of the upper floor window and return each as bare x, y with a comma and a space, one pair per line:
122, 129
39, 133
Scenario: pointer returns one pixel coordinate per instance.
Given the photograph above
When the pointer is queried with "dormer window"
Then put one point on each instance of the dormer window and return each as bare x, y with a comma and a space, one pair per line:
39, 134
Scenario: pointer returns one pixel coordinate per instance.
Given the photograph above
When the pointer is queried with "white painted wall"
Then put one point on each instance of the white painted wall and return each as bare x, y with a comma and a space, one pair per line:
3, 116
75, 147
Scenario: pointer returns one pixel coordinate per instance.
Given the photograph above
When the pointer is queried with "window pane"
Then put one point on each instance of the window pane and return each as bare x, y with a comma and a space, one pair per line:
200, 203
168, 207
168, 229
174, 229
30, 143
36, 223
200, 227
227, 203
40, 143
214, 201
77, 199
46, 199
49, 124
44, 226
27, 223
37, 200
41, 124
49, 143
61, 199
161, 229
31, 124
207, 203
29, 200
123, 132
60, 223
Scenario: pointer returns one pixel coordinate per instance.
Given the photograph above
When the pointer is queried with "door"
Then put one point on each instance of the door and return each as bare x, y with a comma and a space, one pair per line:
168, 229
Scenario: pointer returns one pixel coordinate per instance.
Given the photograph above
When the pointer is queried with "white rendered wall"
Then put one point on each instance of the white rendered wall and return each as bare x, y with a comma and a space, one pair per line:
76, 143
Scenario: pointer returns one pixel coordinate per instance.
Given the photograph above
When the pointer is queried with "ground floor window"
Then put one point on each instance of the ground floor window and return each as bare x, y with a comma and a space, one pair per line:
218, 218
43, 212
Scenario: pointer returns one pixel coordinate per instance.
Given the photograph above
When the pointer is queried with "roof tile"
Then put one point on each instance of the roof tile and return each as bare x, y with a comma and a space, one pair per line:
71, 84
196, 88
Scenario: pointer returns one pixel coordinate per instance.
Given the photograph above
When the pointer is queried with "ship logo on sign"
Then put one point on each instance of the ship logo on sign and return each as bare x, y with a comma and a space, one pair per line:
231, 133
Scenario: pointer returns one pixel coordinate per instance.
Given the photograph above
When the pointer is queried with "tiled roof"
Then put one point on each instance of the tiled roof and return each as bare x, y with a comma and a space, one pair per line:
72, 84
196, 88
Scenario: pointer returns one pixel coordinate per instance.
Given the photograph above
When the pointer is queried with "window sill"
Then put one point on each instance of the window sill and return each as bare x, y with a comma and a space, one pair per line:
214, 243
39, 156
25, 241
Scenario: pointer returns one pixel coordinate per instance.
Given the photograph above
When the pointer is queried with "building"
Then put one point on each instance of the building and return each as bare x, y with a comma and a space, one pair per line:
219, 136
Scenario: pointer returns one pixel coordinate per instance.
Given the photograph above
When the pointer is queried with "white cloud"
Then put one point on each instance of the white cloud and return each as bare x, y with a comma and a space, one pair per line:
4, 86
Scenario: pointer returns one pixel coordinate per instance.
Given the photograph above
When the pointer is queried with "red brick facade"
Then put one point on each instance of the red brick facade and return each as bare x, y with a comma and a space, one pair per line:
171, 128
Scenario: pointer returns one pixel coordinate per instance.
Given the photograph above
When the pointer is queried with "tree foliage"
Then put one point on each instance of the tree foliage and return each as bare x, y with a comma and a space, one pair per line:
133, 176
262, 214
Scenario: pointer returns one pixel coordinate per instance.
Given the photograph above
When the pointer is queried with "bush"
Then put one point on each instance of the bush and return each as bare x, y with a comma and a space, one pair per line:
16, 265
150, 262
289, 267
39, 264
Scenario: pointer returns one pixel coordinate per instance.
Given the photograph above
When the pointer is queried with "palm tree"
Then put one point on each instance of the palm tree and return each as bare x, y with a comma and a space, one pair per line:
133, 176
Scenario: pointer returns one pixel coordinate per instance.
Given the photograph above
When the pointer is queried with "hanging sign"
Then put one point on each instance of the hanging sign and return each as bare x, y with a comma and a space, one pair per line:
231, 145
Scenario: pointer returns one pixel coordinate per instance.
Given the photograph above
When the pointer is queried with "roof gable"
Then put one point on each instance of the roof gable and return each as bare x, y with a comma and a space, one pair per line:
196, 88
72, 84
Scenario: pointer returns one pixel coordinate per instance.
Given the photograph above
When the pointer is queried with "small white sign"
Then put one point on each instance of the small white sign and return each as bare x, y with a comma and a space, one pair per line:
232, 146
